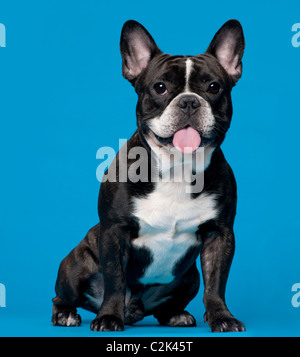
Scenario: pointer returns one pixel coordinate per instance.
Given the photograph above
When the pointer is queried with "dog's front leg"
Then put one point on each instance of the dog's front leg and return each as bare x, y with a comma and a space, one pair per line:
216, 258
113, 257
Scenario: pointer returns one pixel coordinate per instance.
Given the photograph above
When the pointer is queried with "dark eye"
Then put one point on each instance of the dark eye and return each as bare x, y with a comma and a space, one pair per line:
160, 88
214, 88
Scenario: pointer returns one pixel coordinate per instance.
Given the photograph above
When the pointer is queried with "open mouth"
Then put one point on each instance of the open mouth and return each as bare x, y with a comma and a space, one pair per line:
186, 140
164, 140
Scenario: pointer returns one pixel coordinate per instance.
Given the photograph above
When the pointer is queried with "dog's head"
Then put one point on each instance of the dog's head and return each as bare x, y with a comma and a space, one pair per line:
183, 101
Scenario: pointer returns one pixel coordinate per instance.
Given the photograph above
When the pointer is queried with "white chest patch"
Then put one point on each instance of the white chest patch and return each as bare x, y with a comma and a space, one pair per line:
168, 219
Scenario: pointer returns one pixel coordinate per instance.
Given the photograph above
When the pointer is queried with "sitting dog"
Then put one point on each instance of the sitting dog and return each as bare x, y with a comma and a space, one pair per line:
141, 258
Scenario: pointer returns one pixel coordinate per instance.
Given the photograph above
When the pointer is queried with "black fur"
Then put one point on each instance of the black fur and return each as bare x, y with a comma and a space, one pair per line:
101, 271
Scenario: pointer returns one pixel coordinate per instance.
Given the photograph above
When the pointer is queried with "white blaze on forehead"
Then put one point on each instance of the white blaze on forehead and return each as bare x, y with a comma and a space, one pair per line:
188, 70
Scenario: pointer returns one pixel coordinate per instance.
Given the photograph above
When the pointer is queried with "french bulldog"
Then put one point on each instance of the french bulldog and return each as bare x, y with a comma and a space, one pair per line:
140, 259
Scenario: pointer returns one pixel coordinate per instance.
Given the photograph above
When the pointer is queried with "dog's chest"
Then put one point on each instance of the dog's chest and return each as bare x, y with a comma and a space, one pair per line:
169, 219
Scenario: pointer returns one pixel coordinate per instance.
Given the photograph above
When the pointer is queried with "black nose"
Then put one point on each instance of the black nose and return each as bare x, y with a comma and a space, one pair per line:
189, 104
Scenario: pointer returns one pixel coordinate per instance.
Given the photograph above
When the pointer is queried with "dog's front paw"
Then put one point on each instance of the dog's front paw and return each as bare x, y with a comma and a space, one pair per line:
225, 324
107, 323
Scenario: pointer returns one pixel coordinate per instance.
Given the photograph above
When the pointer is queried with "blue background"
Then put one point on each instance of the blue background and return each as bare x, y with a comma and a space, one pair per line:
62, 96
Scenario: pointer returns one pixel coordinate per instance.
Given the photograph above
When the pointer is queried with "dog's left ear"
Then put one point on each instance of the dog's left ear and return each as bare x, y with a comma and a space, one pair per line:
228, 47
137, 49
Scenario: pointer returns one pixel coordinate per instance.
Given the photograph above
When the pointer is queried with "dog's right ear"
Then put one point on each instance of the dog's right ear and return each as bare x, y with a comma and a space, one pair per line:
137, 49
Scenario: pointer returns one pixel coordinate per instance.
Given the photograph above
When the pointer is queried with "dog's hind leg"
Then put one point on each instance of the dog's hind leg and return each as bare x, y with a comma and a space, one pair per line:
74, 276
171, 312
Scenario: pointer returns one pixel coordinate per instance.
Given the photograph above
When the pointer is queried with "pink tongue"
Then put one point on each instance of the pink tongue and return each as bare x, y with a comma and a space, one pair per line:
187, 140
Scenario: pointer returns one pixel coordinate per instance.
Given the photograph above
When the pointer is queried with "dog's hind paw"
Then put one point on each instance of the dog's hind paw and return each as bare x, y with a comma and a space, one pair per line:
134, 313
66, 318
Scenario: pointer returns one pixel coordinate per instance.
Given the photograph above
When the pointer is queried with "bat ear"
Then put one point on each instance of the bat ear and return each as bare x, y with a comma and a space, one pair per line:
137, 49
228, 47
